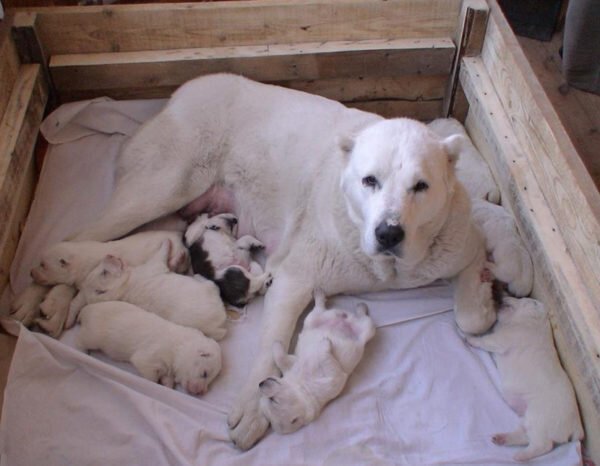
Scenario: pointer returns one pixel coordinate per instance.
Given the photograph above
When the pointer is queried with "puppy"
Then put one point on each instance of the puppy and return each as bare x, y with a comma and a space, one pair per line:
160, 350
471, 169
533, 382
329, 347
54, 309
510, 260
190, 301
25, 307
70, 262
217, 255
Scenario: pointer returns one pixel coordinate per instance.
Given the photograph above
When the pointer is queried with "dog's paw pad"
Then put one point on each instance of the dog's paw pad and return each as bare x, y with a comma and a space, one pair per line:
499, 439
269, 281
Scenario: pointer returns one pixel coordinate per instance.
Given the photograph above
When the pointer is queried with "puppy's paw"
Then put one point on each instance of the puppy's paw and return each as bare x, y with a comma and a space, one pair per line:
498, 439
26, 306
268, 281
486, 275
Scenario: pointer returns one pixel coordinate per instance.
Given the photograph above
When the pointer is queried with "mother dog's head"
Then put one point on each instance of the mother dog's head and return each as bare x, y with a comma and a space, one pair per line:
398, 184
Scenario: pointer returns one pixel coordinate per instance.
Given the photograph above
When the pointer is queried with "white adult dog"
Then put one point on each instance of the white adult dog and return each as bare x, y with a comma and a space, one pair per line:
161, 351
189, 301
329, 348
533, 382
343, 200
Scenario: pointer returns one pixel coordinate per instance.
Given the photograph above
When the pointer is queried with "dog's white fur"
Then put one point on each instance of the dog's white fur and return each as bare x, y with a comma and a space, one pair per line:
471, 169
70, 262
25, 307
217, 237
533, 382
160, 350
54, 309
280, 171
189, 301
510, 260
329, 348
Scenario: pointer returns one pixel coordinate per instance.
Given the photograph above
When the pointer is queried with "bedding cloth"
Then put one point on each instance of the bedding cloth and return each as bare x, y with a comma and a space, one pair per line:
420, 395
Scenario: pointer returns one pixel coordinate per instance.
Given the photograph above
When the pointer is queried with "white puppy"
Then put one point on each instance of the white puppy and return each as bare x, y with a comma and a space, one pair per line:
190, 301
70, 262
533, 382
54, 308
160, 350
216, 254
471, 169
329, 347
511, 262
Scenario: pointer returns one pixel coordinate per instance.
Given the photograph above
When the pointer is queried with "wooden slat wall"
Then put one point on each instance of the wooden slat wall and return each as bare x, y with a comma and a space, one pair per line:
18, 133
9, 64
125, 28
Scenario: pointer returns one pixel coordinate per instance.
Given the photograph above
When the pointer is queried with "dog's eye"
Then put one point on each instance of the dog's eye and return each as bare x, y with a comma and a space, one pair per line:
205, 375
213, 227
100, 291
370, 182
272, 399
420, 186
294, 420
63, 263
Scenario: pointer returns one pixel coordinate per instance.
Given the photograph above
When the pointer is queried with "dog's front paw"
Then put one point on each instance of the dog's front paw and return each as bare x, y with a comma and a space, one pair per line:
26, 306
268, 281
247, 424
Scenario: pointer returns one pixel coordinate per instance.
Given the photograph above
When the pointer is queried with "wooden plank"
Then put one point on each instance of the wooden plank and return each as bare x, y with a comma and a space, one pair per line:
558, 279
18, 133
564, 180
125, 28
469, 42
424, 111
282, 62
9, 63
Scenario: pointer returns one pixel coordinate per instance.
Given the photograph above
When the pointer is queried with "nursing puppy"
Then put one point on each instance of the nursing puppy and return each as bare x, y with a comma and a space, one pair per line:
189, 301
471, 169
70, 262
533, 382
216, 254
510, 260
342, 199
161, 351
329, 347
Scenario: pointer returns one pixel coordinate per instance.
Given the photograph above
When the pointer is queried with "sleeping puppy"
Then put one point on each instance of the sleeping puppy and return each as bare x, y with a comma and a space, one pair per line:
70, 262
329, 347
189, 301
160, 350
54, 309
217, 255
510, 260
533, 382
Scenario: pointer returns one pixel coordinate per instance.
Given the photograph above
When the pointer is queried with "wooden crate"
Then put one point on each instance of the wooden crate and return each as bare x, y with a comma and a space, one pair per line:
417, 58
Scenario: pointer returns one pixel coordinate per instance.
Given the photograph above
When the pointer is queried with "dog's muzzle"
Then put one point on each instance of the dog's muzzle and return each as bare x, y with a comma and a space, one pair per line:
388, 236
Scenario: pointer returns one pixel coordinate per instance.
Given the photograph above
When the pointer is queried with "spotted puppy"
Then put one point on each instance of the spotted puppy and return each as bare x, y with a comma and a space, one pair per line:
533, 382
217, 255
160, 350
184, 300
329, 347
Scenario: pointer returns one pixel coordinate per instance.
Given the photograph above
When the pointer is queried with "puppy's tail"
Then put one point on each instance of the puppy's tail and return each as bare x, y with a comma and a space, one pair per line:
320, 299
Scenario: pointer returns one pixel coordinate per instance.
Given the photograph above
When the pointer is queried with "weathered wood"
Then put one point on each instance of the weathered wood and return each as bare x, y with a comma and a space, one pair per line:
279, 62
469, 41
558, 278
9, 63
18, 133
124, 28
424, 111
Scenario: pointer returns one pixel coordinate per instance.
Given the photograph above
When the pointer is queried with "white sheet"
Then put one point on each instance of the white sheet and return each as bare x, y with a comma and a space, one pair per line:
420, 395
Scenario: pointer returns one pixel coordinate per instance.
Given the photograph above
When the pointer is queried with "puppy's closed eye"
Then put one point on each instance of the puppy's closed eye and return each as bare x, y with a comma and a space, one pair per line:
213, 227
100, 292
420, 186
294, 420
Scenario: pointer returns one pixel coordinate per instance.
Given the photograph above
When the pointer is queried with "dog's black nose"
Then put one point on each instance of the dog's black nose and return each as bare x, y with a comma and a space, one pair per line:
389, 236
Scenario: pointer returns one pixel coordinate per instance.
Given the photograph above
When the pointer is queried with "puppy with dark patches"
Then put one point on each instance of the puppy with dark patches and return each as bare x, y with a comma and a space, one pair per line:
216, 254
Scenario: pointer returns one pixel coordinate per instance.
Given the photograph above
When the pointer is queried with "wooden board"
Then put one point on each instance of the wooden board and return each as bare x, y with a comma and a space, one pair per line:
9, 64
18, 133
83, 74
125, 28
558, 279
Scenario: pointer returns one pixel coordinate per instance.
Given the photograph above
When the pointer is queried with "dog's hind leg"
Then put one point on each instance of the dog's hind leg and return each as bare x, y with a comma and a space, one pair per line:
284, 303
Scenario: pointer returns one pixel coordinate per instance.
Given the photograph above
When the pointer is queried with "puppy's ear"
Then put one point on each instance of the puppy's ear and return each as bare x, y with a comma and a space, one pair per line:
282, 360
453, 145
346, 144
113, 264
269, 387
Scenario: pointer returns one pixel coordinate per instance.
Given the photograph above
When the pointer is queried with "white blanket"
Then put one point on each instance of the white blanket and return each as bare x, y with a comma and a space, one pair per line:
420, 395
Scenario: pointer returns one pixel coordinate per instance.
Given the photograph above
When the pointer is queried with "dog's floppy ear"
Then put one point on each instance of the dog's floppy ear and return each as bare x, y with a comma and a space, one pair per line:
453, 145
346, 144
269, 387
282, 360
